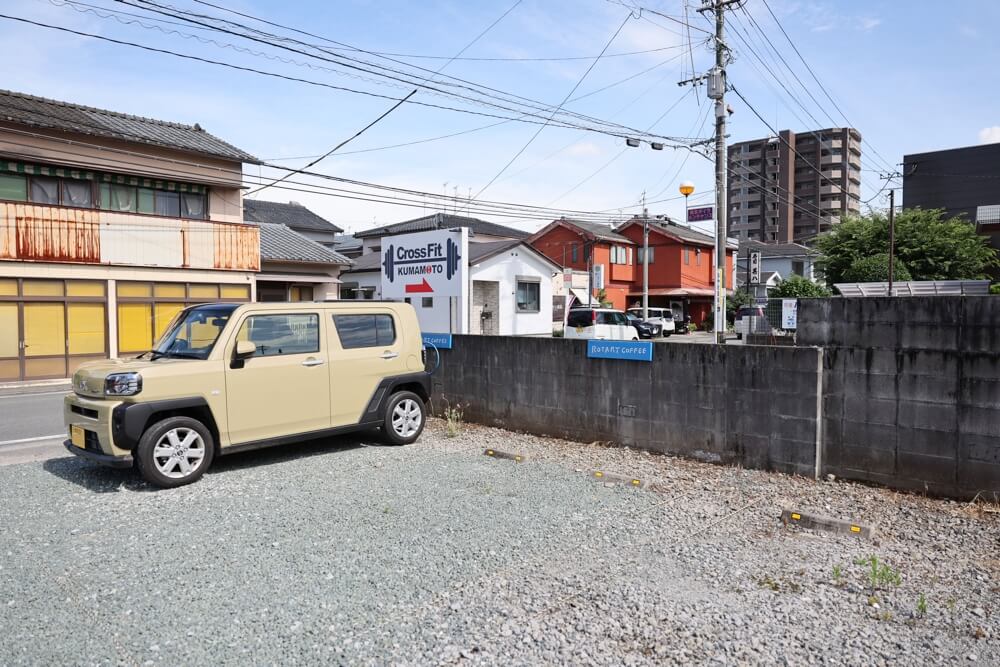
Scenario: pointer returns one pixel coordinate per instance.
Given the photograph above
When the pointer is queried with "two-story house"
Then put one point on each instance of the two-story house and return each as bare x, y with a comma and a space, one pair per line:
778, 261
680, 267
581, 246
109, 225
296, 217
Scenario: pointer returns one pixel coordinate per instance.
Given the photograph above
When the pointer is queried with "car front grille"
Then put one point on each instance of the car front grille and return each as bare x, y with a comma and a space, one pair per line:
85, 412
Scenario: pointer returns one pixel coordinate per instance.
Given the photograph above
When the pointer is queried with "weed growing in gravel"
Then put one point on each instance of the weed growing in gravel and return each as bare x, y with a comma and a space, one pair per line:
453, 416
838, 573
921, 606
880, 575
950, 603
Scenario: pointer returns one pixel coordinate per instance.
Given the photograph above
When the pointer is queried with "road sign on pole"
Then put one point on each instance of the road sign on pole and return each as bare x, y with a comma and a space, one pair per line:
425, 264
753, 275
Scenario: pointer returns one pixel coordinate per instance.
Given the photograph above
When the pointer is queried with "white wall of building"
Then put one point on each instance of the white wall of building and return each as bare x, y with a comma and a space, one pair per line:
503, 269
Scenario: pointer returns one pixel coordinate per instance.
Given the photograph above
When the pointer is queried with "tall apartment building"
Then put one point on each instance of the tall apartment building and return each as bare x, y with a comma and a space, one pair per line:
791, 188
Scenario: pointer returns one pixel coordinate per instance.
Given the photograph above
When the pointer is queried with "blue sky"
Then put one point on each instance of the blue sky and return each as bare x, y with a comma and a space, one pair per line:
910, 76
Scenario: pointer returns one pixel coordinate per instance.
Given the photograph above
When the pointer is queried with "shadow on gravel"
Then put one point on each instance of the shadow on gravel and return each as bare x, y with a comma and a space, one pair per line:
101, 479
292, 451
94, 477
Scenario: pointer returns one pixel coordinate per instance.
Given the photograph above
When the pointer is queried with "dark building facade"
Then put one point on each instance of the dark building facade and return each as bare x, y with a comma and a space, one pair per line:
962, 181
794, 187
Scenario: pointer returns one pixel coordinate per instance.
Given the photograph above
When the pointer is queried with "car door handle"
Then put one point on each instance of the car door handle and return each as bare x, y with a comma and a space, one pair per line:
312, 362
390, 355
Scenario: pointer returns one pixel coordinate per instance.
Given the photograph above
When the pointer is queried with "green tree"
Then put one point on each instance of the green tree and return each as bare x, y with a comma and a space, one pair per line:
740, 298
875, 269
795, 287
602, 298
928, 245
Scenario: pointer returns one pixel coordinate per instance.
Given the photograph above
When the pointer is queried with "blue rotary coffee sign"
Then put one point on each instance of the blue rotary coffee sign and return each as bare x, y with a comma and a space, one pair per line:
441, 341
629, 350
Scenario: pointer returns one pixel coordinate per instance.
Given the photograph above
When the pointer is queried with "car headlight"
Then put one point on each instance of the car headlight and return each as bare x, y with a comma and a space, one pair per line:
122, 384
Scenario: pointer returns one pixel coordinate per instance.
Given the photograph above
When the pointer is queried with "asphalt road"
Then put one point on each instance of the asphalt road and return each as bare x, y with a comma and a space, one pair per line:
31, 427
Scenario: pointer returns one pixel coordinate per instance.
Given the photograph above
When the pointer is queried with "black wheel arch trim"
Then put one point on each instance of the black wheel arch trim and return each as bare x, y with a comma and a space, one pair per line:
128, 420
419, 383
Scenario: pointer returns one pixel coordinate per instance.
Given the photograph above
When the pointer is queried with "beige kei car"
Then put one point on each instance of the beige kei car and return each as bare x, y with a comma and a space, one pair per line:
230, 377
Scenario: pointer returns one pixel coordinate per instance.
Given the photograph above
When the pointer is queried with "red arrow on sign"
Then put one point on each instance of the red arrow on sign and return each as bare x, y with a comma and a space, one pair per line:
417, 288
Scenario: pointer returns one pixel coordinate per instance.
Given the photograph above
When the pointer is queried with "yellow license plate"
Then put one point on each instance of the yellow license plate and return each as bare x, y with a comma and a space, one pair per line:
579, 329
76, 436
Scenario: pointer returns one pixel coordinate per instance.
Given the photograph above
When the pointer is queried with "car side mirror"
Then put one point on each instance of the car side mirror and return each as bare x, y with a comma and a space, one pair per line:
245, 349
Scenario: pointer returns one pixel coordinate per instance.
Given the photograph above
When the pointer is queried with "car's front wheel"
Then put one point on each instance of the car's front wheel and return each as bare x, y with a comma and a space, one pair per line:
174, 451
404, 418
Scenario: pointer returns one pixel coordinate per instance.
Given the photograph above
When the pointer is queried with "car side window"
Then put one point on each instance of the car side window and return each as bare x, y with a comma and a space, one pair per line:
357, 331
276, 335
620, 319
605, 318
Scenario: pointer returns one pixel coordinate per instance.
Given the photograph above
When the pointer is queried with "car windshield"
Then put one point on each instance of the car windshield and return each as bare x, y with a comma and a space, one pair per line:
193, 332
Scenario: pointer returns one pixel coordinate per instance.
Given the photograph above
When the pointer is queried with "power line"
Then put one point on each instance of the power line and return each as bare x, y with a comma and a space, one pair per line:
815, 78
522, 118
568, 95
149, 5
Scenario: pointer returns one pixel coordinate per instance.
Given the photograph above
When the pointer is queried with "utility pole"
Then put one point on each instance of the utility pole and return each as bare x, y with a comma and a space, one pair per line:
892, 236
716, 79
645, 259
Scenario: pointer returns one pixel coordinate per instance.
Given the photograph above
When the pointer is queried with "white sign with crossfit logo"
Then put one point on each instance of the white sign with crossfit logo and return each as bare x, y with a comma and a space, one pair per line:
425, 264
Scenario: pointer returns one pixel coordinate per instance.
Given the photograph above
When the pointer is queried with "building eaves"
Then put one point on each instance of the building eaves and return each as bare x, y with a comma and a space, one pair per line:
40, 112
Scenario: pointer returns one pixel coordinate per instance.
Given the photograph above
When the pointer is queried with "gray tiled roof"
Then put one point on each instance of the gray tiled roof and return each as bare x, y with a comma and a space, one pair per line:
775, 249
52, 114
683, 232
443, 221
292, 215
278, 243
598, 230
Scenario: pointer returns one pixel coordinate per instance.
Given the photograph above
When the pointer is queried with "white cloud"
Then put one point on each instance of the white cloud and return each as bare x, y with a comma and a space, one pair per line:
589, 148
989, 135
867, 23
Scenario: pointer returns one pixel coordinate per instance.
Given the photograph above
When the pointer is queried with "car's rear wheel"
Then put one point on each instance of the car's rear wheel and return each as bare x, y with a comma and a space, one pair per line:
174, 451
404, 418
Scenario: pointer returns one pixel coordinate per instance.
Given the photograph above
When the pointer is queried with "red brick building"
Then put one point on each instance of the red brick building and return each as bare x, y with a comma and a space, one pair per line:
680, 266
573, 243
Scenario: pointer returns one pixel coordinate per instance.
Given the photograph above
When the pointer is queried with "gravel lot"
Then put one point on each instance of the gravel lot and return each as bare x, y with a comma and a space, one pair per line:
341, 553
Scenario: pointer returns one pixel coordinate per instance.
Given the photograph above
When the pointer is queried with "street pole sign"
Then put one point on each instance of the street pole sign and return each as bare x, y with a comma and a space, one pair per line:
425, 264
701, 214
753, 275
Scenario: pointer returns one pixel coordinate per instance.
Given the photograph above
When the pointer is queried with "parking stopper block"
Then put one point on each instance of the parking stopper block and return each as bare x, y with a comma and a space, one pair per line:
497, 454
817, 522
624, 480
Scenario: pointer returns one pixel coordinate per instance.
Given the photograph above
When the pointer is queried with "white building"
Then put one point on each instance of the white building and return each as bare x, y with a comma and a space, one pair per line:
510, 288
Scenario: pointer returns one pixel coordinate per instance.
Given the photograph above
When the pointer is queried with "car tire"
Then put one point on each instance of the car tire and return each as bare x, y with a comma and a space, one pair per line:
401, 425
174, 451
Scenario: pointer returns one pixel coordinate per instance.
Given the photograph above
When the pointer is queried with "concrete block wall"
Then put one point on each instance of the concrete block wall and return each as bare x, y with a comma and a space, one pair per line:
911, 390
959, 323
753, 406
924, 420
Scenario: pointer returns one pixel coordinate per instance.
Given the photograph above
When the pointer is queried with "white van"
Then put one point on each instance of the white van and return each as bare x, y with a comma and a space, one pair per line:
603, 323
662, 316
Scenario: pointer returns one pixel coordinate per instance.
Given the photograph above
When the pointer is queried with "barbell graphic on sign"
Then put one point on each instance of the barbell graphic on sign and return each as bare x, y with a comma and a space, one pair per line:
450, 258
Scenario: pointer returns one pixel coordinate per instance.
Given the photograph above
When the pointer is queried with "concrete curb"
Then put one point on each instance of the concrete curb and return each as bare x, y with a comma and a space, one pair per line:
817, 522
497, 454
624, 480
39, 387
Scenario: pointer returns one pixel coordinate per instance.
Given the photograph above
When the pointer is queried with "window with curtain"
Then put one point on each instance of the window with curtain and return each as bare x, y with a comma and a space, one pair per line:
193, 205
167, 204
44, 190
77, 193
116, 197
